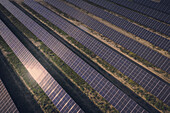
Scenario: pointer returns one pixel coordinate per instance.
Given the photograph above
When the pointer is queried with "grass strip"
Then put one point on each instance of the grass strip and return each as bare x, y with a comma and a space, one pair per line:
39, 95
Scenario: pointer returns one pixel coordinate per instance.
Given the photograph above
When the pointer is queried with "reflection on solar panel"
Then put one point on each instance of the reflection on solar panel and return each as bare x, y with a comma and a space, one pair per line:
54, 91
6, 103
158, 26
162, 6
110, 92
145, 10
150, 55
124, 24
150, 83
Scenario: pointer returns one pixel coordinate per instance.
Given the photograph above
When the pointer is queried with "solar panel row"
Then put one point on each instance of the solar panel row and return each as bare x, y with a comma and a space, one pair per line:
148, 54
145, 79
110, 92
141, 19
54, 91
6, 103
124, 24
164, 7
144, 10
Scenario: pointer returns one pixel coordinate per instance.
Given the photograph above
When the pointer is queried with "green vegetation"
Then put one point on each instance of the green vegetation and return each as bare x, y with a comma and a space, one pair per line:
106, 65
80, 46
39, 95
143, 61
76, 78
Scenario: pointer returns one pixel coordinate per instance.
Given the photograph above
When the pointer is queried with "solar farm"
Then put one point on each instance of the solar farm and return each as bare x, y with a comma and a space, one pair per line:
84, 56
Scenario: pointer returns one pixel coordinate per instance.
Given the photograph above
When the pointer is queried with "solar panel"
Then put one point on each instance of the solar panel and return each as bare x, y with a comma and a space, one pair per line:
64, 53
36, 70
116, 60
148, 54
162, 6
124, 24
157, 14
7, 104
141, 19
